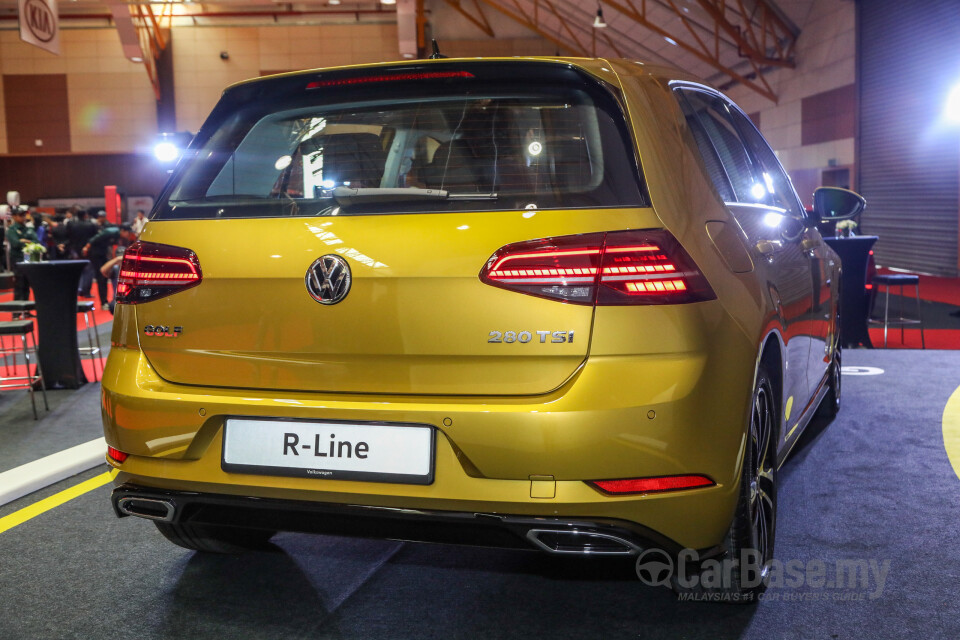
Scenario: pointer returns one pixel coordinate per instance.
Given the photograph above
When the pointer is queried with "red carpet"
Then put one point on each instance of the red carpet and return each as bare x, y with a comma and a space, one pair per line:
940, 299
99, 317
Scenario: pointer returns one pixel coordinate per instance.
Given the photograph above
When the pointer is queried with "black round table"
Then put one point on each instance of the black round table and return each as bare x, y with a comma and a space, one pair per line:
54, 285
854, 254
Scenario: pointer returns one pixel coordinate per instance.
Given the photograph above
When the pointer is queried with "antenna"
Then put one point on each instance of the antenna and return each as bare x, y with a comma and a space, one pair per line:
436, 50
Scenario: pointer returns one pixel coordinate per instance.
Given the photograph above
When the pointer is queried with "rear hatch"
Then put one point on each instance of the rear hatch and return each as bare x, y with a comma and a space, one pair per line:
413, 177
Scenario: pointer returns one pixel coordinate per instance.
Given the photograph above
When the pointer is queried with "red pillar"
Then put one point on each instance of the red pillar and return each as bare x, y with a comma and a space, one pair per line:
112, 202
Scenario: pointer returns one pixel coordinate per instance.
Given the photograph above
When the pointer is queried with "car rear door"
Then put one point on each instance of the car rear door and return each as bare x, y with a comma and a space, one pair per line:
803, 230
749, 194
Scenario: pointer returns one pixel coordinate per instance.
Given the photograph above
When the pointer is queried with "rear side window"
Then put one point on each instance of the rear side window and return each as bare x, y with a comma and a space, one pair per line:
431, 147
780, 191
718, 138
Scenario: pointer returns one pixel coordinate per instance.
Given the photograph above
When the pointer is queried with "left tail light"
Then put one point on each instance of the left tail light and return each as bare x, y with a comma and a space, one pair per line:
150, 271
615, 268
116, 454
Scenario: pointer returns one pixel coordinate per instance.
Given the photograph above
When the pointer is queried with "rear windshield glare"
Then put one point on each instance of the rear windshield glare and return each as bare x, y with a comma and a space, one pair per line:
414, 147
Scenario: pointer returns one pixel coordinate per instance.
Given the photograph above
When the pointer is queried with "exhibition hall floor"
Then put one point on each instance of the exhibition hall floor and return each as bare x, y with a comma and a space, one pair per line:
873, 487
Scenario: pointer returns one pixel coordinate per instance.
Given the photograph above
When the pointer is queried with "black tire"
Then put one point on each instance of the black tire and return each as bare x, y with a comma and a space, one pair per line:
752, 532
830, 405
213, 539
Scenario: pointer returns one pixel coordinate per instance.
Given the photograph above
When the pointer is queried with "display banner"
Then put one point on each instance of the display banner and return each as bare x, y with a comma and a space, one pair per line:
39, 24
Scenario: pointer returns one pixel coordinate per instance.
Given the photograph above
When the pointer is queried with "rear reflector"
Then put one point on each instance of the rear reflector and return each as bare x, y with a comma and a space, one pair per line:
116, 454
150, 271
617, 268
652, 485
393, 77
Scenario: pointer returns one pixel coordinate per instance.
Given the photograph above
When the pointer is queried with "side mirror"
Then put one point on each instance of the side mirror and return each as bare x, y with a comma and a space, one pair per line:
834, 203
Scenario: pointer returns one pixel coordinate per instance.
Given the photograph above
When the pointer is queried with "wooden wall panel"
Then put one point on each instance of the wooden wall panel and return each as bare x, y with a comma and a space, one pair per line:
805, 181
830, 115
80, 175
36, 108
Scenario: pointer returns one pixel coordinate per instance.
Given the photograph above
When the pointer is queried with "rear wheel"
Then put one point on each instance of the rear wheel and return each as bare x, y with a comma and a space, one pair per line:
213, 539
750, 539
830, 406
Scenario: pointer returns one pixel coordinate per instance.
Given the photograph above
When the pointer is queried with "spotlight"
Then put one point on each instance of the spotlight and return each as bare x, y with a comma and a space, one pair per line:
599, 22
166, 152
953, 105
168, 147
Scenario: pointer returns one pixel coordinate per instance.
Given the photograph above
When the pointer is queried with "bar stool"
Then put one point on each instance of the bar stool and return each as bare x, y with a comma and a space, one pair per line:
14, 308
17, 306
22, 328
86, 307
888, 282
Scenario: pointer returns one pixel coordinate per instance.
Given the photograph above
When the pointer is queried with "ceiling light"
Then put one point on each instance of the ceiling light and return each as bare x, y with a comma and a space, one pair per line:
599, 22
388, 1
670, 40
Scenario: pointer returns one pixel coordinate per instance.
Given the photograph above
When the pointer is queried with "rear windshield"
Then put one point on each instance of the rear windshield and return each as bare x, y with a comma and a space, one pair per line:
401, 147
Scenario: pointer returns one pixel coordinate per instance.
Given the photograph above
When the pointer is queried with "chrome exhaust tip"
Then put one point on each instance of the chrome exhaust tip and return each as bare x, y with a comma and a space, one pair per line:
149, 508
581, 542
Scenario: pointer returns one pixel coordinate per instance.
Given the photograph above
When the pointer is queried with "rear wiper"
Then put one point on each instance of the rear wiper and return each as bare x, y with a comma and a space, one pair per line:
346, 195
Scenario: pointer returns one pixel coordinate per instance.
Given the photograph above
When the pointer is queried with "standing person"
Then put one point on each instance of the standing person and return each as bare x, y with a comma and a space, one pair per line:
40, 228
79, 233
19, 235
5, 216
57, 246
111, 270
98, 250
139, 222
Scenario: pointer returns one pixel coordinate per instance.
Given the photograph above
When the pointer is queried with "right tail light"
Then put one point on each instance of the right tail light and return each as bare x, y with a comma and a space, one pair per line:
615, 268
150, 271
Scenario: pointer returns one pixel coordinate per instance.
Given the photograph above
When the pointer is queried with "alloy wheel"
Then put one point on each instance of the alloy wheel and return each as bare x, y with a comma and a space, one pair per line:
762, 491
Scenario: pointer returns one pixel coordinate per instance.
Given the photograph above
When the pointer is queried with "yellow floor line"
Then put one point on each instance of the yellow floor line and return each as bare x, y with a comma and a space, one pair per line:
19, 517
951, 430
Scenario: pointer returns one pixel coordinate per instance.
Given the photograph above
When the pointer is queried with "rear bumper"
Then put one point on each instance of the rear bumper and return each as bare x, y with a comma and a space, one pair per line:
564, 536
620, 416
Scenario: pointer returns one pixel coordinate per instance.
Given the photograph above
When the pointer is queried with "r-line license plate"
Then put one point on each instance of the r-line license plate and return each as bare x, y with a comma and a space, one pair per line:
371, 452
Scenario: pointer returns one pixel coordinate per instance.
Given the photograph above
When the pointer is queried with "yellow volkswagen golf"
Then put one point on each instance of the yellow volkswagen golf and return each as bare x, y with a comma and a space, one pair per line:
560, 304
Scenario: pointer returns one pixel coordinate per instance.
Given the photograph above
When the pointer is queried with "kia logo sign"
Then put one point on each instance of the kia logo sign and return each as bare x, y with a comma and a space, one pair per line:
40, 20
